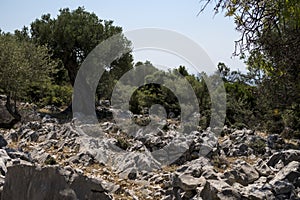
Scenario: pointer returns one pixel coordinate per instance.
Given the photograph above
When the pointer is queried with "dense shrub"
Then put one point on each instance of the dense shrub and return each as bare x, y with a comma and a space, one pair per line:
50, 94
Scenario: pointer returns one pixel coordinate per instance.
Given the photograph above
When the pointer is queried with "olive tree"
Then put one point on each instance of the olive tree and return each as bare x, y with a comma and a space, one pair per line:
21, 64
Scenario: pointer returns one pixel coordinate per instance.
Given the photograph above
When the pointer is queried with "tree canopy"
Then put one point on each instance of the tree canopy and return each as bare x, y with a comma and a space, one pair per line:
270, 37
267, 97
73, 35
22, 63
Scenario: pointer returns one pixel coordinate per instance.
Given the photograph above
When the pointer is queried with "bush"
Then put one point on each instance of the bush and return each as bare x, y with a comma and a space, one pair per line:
57, 95
49, 94
291, 118
50, 161
274, 126
123, 143
220, 162
239, 125
258, 146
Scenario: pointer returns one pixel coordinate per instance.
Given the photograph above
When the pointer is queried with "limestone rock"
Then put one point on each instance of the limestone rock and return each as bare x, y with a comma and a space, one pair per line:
290, 173
219, 190
243, 173
187, 182
3, 142
262, 168
33, 183
286, 157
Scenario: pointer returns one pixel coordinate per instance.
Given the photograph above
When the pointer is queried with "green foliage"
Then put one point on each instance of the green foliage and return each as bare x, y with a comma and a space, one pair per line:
239, 125
50, 161
57, 95
267, 97
22, 64
112, 75
220, 162
291, 117
49, 94
151, 94
240, 104
270, 33
258, 145
123, 143
182, 70
72, 36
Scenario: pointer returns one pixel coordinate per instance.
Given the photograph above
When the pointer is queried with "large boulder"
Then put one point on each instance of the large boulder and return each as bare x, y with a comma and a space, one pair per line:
285, 157
218, 190
3, 161
289, 173
5, 116
127, 163
195, 167
3, 142
262, 168
187, 182
243, 173
34, 183
283, 187
259, 190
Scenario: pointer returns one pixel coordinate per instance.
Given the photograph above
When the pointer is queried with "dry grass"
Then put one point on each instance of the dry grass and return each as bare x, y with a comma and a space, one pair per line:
261, 134
171, 168
231, 162
44, 111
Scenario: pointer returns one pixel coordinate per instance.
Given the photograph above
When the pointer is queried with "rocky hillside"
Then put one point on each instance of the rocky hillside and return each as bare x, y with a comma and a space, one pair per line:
45, 158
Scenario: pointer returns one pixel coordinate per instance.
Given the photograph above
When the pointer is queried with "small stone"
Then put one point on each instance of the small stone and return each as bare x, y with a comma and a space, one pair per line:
3, 142
132, 175
283, 187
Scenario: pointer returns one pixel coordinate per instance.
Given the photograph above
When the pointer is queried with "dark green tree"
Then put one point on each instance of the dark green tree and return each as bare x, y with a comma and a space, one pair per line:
270, 34
182, 70
73, 35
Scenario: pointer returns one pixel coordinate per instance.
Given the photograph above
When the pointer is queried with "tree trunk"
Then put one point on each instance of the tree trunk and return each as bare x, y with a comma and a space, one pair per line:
14, 112
72, 68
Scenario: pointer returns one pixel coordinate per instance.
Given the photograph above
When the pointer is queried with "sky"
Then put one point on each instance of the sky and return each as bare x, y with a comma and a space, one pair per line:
215, 34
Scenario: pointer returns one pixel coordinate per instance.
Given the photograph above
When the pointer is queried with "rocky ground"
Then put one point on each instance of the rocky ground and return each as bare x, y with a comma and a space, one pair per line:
47, 158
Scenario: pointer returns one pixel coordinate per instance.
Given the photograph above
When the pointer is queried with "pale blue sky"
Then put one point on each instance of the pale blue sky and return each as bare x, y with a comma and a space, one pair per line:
215, 34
